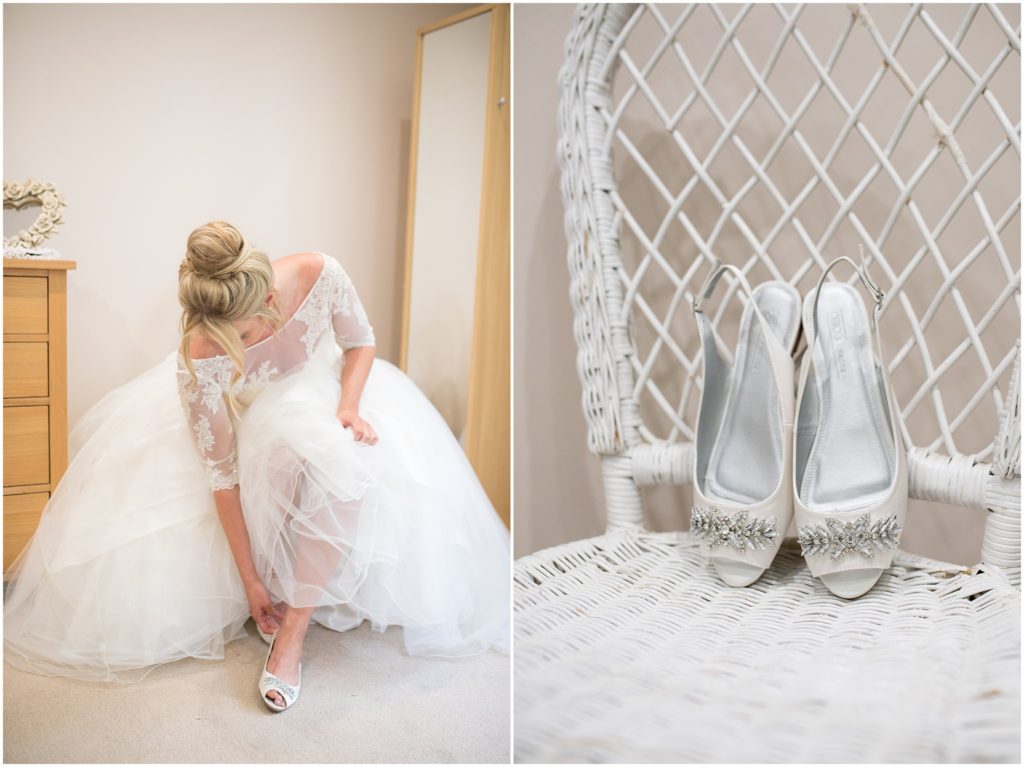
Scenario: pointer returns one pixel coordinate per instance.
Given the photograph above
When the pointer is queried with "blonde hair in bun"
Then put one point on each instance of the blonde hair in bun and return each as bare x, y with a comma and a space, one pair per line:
222, 279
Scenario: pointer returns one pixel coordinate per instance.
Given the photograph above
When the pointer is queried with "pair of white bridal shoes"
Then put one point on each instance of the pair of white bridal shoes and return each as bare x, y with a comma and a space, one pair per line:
841, 471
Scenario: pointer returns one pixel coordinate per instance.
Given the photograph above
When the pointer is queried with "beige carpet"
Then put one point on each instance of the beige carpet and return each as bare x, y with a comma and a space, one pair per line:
363, 700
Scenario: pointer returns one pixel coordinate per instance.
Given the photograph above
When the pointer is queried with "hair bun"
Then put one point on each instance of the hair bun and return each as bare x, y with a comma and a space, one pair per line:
217, 251
220, 268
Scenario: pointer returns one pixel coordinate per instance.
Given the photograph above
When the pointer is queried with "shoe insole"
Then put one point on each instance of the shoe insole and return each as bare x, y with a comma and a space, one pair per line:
746, 460
851, 460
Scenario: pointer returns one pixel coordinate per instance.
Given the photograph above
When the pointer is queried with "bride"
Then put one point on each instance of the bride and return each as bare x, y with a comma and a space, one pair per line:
271, 468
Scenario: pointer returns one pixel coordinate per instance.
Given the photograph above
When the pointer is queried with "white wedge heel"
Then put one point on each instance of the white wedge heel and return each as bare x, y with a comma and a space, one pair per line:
743, 497
850, 471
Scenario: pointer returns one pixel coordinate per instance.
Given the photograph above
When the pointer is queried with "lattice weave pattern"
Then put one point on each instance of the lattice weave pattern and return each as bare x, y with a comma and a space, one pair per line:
629, 650
780, 139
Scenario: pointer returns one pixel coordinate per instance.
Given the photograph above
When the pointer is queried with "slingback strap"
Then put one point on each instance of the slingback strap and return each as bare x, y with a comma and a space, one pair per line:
862, 272
711, 282
717, 270
779, 356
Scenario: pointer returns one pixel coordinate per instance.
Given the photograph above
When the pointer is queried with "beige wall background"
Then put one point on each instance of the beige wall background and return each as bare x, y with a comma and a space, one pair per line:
289, 120
558, 489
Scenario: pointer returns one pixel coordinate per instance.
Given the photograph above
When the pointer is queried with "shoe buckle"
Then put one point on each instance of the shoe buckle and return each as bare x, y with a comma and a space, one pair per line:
876, 292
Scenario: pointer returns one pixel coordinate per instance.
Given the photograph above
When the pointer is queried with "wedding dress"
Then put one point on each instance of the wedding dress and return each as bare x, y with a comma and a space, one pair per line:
130, 567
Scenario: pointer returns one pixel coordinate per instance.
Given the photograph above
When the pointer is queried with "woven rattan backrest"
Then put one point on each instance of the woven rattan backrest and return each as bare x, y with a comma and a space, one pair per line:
777, 138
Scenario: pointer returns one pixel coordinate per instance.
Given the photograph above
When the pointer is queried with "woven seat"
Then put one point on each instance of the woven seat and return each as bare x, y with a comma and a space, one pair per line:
628, 648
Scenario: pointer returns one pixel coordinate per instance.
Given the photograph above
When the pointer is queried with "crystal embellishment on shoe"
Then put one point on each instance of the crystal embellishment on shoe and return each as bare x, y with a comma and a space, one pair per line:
859, 536
277, 683
740, 531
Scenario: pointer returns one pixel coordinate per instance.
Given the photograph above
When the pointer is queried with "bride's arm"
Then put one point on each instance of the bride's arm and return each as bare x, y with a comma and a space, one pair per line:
355, 371
229, 510
354, 334
213, 436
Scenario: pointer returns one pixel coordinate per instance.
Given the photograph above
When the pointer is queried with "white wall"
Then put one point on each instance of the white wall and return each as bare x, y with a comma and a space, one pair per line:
290, 121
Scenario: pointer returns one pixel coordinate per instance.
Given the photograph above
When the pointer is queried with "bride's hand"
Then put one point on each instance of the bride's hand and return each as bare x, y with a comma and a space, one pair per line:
267, 615
361, 430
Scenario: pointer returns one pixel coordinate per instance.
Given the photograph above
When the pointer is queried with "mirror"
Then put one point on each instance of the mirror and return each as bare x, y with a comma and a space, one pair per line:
456, 277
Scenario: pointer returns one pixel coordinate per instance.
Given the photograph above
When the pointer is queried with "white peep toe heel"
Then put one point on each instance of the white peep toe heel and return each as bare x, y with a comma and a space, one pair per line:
743, 497
850, 471
268, 682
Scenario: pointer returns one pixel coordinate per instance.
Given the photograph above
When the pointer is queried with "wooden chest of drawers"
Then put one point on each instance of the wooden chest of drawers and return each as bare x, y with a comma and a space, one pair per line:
35, 393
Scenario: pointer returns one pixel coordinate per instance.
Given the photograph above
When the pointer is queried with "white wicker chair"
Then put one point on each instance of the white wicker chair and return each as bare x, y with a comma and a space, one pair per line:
627, 647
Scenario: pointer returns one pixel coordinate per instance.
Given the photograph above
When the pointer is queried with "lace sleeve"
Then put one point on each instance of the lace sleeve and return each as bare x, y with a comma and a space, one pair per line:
351, 326
207, 414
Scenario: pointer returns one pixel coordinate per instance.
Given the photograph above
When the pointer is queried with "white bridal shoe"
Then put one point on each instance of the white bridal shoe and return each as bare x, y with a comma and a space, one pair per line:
850, 472
268, 682
743, 497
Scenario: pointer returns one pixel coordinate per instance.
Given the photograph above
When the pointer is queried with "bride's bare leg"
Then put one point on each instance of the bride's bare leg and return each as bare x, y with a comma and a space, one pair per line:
316, 561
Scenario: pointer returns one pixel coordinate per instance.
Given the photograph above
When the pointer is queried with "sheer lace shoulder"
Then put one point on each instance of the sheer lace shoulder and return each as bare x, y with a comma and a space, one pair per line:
207, 412
333, 304
351, 325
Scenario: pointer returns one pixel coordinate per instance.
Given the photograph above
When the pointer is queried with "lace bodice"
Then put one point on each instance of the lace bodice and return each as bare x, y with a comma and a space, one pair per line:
331, 306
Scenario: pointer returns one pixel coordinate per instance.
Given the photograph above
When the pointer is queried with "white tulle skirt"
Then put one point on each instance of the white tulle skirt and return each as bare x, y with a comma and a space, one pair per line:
130, 568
